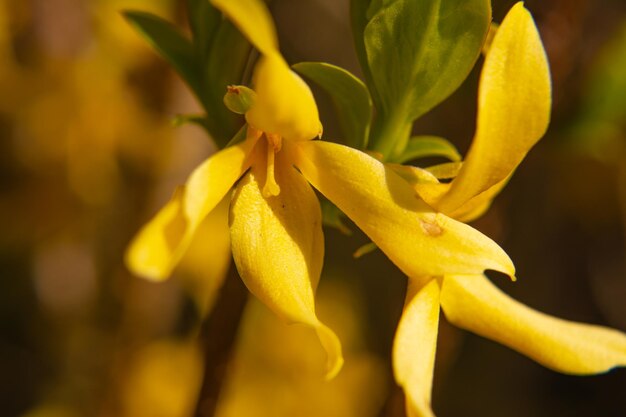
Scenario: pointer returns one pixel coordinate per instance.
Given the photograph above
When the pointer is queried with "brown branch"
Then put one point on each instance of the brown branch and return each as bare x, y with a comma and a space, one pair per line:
217, 336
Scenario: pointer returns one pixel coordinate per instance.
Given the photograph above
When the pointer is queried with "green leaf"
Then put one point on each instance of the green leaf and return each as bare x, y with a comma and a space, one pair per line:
358, 18
599, 129
238, 137
350, 97
375, 6
204, 20
428, 146
183, 119
216, 58
333, 217
420, 51
364, 250
604, 100
225, 65
170, 44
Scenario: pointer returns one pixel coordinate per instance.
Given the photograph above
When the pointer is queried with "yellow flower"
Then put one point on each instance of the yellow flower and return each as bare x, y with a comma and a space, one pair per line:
513, 113
275, 219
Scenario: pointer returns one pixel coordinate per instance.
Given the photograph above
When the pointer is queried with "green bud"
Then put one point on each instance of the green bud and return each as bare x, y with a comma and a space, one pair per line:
239, 99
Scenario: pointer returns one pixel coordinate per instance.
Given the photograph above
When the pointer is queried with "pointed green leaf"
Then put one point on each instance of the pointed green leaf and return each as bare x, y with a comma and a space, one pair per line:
420, 51
225, 65
375, 6
223, 54
216, 58
598, 131
426, 147
603, 106
333, 217
238, 137
350, 97
206, 24
364, 250
170, 44
358, 18
204, 20
183, 119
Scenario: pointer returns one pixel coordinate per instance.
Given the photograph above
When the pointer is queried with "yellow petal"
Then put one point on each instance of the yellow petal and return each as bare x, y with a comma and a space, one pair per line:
278, 247
423, 181
207, 260
413, 174
414, 347
385, 206
153, 252
479, 204
160, 244
475, 304
428, 187
448, 170
513, 108
284, 105
253, 20
210, 181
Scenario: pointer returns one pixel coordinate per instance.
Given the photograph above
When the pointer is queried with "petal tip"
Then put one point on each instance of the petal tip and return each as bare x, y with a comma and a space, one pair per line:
333, 369
137, 265
332, 345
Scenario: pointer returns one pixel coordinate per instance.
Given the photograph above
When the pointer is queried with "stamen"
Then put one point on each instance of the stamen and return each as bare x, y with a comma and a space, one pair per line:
275, 141
253, 133
271, 187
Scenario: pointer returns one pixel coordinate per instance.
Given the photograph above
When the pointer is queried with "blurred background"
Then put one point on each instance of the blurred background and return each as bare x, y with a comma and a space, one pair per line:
88, 152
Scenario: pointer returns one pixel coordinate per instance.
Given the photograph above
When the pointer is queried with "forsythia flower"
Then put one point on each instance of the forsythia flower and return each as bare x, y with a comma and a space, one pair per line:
275, 219
513, 113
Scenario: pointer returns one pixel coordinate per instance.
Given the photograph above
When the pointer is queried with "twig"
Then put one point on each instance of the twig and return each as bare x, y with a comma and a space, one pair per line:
217, 335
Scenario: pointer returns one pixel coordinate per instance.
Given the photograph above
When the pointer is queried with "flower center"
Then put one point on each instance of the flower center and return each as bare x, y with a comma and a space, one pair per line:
274, 144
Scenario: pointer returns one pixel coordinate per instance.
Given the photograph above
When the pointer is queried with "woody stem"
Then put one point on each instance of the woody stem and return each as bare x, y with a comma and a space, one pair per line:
217, 338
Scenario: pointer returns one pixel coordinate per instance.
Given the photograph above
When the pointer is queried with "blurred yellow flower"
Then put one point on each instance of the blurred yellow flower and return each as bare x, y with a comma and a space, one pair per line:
275, 219
513, 113
266, 218
72, 106
266, 380
203, 279
163, 380
51, 410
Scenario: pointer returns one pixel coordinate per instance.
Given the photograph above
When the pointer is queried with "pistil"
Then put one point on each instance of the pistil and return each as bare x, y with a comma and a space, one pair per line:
274, 144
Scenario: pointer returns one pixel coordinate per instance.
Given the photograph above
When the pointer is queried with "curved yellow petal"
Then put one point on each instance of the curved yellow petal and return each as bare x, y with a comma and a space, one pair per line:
278, 247
206, 262
253, 20
423, 181
447, 170
414, 175
514, 102
284, 103
475, 304
153, 252
428, 187
212, 179
160, 244
414, 347
479, 204
385, 206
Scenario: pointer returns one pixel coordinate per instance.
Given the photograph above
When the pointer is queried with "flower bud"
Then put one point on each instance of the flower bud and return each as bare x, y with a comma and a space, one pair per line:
239, 99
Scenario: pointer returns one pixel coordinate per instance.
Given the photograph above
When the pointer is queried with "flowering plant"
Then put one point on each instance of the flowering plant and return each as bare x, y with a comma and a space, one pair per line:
414, 55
